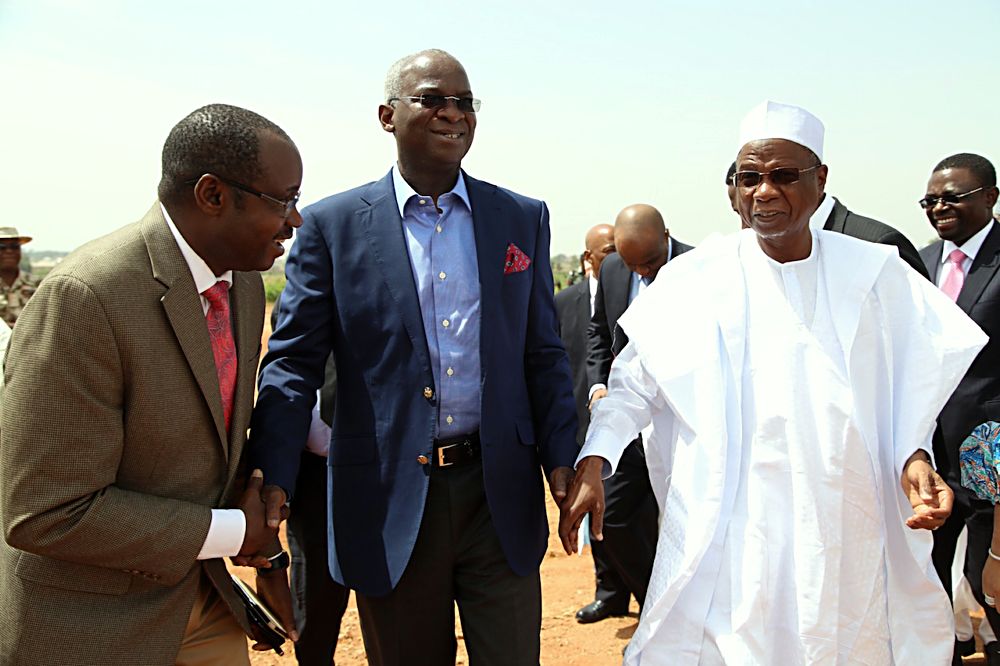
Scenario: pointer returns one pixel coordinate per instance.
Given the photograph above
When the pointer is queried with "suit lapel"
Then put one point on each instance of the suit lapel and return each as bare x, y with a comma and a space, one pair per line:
383, 229
934, 267
492, 238
246, 336
183, 308
983, 268
837, 219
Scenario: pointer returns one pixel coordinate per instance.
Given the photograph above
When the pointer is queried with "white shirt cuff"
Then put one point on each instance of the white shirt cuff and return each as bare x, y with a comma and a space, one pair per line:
225, 534
594, 389
318, 441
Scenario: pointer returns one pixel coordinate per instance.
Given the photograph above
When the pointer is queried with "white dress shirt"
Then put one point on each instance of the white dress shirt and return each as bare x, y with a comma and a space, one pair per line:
969, 247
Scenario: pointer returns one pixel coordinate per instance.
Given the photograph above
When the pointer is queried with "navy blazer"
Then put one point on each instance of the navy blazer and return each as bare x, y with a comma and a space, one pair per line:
351, 290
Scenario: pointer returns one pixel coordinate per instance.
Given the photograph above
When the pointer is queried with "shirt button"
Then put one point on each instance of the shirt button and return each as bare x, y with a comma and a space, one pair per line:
423, 201
450, 372
450, 420
422, 459
442, 275
446, 323
428, 392
439, 228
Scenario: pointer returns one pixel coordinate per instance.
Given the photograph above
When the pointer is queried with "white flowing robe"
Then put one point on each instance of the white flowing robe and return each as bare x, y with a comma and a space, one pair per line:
784, 403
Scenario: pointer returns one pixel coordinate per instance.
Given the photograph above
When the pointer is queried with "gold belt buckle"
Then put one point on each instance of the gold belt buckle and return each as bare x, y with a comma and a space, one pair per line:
440, 452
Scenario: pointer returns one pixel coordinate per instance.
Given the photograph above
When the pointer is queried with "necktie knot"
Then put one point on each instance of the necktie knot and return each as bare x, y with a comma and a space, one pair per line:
957, 257
218, 294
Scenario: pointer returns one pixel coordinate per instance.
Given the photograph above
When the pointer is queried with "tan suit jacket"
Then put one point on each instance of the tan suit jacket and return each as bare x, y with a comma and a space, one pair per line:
113, 451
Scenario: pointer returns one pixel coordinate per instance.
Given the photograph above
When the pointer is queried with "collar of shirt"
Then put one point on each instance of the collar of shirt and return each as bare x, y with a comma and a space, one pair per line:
592, 283
404, 192
822, 214
969, 247
202, 274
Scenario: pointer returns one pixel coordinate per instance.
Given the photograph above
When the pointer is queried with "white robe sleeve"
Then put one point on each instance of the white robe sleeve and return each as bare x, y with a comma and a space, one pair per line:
633, 398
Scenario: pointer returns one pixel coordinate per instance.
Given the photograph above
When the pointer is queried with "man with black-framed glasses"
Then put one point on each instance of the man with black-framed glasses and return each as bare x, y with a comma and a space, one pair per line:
130, 384
454, 400
959, 201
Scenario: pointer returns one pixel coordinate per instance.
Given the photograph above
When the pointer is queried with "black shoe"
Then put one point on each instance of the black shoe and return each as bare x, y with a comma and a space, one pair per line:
595, 612
965, 648
992, 653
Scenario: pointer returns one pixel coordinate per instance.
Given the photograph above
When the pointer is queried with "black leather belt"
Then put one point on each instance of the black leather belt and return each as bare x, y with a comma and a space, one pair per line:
457, 450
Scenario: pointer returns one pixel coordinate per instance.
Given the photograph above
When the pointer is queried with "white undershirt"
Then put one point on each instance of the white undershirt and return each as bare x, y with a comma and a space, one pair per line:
228, 526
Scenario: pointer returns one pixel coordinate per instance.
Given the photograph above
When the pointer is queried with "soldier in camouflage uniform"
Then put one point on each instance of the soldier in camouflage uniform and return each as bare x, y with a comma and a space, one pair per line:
16, 286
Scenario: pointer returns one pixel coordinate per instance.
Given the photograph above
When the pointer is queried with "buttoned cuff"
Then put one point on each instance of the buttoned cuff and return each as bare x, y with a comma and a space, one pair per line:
225, 534
594, 389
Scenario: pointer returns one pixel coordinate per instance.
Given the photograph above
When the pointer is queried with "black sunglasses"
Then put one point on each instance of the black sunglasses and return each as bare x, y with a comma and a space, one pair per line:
10, 246
949, 199
463, 104
779, 176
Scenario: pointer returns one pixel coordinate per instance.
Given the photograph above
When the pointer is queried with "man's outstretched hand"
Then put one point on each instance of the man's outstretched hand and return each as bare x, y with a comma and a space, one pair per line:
586, 495
929, 495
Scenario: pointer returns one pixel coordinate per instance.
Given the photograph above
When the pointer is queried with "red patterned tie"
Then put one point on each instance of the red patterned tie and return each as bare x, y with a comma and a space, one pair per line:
220, 331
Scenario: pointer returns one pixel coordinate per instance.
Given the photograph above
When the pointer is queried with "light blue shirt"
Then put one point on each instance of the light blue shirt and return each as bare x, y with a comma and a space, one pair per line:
442, 247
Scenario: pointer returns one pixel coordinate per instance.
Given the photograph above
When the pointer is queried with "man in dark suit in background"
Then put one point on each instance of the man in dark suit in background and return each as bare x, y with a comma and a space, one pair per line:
575, 307
319, 601
964, 263
434, 292
643, 246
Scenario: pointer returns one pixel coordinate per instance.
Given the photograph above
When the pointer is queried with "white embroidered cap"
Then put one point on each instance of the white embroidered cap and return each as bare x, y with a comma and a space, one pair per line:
774, 120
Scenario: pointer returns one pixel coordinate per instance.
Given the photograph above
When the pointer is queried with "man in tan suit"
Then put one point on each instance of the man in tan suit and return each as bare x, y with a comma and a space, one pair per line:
126, 409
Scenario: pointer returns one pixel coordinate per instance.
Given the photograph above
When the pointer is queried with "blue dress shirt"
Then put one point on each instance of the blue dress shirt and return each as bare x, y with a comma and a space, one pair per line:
442, 248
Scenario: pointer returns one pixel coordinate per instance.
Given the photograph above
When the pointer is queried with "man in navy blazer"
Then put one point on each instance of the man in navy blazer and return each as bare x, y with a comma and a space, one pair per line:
434, 292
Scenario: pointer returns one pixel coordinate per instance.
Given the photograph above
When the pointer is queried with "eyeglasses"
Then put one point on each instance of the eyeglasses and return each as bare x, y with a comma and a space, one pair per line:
288, 205
10, 246
463, 104
948, 199
779, 176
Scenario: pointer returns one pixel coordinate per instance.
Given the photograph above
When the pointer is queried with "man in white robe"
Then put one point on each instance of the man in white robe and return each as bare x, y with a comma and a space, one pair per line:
792, 410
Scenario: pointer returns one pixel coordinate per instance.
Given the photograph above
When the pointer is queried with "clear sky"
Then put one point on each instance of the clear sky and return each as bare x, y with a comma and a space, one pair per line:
589, 105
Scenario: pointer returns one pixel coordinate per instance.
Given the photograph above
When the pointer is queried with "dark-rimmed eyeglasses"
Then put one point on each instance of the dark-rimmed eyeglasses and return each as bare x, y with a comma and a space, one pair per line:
779, 176
287, 205
463, 104
15, 245
949, 199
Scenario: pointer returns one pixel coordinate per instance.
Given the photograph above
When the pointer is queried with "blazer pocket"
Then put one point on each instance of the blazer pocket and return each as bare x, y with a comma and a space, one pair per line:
71, 576
352, 451
525, 431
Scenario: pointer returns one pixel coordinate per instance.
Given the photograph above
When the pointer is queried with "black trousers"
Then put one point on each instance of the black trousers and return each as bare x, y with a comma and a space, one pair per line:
457, 559
976, 514
631, 525
319, 602
611, 589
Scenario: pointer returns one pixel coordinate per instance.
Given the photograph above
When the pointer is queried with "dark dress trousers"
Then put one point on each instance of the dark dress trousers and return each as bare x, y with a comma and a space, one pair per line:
319, 601
977, 399
631, 512
410, 538
573, 309
845, 222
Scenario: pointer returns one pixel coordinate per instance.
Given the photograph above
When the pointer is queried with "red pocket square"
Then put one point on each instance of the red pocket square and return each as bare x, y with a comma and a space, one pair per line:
516, 261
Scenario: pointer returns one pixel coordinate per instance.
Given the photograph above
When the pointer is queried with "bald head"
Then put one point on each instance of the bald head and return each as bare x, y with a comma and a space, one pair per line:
599, 243
641, 239
421, 60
